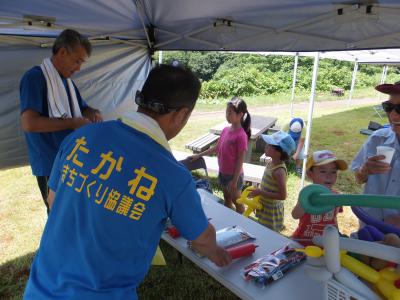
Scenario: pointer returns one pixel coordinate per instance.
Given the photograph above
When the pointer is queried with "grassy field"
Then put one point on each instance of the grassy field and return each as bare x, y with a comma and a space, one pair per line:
23, 214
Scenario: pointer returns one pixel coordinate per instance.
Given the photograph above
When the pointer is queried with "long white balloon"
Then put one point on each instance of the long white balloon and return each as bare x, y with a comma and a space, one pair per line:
351, 281
331, 249
377, 250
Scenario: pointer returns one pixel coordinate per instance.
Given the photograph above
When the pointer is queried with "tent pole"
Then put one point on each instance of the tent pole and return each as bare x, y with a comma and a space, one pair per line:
160, 57
383, 78
310, 115
385, 73
296, 59
353, 81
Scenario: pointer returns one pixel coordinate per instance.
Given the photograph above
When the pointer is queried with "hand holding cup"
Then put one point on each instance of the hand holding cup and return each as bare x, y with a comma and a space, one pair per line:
387, 152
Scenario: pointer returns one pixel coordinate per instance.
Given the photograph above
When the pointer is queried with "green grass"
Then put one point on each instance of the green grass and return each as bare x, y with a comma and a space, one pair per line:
22, 213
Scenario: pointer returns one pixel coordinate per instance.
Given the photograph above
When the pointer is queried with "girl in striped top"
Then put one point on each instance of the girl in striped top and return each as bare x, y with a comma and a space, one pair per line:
280, 147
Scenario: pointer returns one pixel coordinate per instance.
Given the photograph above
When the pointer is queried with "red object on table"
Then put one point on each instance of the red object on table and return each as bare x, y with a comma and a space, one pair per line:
173, 232
242, 250
397, 283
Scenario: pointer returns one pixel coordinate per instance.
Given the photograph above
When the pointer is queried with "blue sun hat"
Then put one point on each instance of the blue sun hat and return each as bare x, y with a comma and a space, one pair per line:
295, 127
281, 139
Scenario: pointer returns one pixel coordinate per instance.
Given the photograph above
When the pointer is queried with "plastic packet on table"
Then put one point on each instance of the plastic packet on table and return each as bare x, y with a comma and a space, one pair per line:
230, 236
273, 266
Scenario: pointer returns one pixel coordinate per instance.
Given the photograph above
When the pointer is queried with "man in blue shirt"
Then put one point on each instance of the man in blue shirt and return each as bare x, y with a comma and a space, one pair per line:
112, 188
44, 131
379, 177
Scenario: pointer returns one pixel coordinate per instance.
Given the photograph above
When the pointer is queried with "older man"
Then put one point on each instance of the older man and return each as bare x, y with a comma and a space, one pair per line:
380, 177
51, 105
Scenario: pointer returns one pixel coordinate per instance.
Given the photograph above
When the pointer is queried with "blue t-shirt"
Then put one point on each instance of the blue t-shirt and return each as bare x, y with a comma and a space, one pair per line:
42, 146
115, 188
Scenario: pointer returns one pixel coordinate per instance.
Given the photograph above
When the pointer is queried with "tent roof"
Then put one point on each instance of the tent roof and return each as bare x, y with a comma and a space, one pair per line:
251, 25
376, 56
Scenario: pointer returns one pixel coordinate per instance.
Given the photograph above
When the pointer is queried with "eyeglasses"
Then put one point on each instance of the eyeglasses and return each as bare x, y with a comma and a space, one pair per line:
388, 107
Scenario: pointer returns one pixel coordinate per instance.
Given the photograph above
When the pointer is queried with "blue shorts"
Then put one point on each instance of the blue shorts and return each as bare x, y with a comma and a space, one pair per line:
223, 180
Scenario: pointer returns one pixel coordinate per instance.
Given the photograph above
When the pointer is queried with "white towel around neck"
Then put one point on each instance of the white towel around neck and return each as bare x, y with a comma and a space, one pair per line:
57, 95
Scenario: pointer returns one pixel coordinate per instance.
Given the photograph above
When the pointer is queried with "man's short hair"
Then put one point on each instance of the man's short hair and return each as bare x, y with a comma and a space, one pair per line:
69, 39
172, 87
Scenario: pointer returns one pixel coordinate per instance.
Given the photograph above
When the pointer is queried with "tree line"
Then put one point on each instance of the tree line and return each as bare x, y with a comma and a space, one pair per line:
226, 74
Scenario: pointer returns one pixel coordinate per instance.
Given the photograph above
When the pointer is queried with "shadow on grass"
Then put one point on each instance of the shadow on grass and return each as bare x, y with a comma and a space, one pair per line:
13, 276
340, 133
180, 281
174, 281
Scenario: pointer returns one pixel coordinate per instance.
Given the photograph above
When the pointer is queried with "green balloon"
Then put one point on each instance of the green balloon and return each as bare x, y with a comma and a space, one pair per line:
317, 199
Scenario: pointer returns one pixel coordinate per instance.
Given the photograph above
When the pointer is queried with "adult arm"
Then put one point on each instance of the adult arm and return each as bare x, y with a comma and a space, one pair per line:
94, 115
211, 150
187, 214
393, 220
206, 244
373, 165
32, 121
366, 163
50, 198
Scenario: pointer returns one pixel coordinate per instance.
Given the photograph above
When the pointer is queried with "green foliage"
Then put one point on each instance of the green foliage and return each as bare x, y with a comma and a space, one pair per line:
245, 81
203, 64
231, 74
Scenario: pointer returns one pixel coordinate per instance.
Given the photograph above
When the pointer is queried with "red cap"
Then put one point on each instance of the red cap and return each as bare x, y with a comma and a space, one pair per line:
388, 88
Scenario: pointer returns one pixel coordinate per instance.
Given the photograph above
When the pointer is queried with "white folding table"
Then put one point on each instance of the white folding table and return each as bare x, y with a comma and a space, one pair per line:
294, 285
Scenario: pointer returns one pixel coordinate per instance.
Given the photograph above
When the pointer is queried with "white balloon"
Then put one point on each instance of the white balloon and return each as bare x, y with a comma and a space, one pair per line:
349, 280
331, 249
373, 249
319, 274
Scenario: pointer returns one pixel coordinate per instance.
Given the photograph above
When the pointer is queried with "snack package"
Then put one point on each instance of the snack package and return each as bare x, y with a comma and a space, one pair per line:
229, 236
273, 266
232, 235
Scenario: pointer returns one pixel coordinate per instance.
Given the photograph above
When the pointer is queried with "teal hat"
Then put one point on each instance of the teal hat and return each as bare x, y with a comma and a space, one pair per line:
281, 139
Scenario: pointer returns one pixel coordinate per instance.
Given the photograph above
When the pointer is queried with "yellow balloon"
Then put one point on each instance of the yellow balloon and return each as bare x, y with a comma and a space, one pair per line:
385, 287
252, 203
389, 274
395, 295
311, 251
359, 268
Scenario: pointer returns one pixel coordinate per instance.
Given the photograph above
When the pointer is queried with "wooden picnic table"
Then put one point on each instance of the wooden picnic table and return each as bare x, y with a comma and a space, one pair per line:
259, 125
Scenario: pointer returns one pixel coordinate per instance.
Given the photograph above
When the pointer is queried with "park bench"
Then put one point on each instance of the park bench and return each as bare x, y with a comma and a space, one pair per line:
202, 143
337, 92
260, 144
274, 129
252, 173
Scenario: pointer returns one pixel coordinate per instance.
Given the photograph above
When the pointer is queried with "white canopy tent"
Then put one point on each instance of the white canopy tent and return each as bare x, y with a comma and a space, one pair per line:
125, 33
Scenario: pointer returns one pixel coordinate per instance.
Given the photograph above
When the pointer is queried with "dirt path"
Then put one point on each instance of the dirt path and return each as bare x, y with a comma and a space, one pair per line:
279, 108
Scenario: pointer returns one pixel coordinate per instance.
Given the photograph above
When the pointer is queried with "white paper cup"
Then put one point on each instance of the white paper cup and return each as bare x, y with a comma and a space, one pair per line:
385, 151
